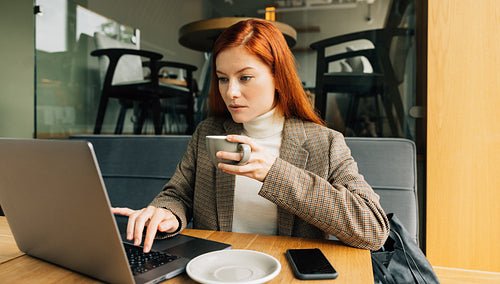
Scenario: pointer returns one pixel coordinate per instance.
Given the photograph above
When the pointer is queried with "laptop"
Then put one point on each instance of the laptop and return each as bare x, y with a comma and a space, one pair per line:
55, 201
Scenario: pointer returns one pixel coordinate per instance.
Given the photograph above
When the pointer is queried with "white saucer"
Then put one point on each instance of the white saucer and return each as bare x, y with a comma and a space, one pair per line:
233, 266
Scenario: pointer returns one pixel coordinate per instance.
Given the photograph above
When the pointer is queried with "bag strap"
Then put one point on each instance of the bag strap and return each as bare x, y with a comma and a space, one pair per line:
406, 254
382, 272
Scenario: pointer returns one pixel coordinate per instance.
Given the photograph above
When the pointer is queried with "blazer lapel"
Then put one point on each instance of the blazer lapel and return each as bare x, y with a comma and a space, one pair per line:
292, 151
294, 136
225, 186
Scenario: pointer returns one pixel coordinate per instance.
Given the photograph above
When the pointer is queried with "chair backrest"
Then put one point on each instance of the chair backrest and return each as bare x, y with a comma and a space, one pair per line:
129, 67
384, 43
135, 167
389, 166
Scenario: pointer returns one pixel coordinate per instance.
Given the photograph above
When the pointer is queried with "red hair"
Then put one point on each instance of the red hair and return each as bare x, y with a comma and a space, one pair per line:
264, 40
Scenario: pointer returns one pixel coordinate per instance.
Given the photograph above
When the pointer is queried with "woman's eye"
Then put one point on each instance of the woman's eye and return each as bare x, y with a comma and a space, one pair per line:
245, 78
222, 79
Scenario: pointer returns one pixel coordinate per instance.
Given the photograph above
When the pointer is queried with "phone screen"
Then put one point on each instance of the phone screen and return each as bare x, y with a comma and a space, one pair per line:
310, 264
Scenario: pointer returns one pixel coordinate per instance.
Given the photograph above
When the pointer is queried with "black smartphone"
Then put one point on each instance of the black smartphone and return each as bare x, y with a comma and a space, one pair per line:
310, 264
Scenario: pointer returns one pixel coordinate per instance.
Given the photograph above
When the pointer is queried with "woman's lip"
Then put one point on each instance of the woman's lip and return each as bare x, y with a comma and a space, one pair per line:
236, 107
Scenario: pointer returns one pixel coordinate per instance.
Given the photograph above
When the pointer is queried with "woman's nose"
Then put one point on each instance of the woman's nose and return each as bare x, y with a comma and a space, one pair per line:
233, 89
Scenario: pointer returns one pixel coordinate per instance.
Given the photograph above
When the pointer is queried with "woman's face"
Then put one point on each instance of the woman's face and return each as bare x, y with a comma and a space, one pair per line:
246, 84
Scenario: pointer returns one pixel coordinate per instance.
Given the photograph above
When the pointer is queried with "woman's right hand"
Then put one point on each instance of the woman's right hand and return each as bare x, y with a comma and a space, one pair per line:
156, 219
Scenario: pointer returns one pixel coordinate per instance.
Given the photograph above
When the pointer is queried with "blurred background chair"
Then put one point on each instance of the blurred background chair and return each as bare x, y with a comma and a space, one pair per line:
123, 79
177, 109
387, 59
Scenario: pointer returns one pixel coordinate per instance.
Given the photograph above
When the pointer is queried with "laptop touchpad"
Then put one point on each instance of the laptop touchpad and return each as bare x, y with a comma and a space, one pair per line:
196, 247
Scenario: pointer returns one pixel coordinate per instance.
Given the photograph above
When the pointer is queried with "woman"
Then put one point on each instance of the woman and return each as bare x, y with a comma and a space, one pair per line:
300, 179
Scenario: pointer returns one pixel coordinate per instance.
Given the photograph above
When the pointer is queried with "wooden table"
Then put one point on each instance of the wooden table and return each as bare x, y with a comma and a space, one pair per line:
353, 265
201, 35
8, 247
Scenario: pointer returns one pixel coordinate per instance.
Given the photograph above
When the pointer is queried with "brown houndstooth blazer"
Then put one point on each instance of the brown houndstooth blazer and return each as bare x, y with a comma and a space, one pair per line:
315, 184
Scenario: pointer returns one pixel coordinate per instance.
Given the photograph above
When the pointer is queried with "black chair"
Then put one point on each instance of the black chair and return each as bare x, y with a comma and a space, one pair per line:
126, 83
387, 58
178, 107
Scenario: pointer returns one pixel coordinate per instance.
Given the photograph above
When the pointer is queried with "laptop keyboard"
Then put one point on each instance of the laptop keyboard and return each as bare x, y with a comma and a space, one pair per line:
141, 262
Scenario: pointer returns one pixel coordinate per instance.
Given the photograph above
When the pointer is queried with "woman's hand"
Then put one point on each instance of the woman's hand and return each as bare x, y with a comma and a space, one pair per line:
156, 219
257, 167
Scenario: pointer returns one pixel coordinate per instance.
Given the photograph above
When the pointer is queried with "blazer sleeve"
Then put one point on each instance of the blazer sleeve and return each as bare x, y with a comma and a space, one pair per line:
337, 200
177, 194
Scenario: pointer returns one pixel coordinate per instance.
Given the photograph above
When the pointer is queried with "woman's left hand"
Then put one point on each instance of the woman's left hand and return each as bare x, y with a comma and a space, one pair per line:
257, 167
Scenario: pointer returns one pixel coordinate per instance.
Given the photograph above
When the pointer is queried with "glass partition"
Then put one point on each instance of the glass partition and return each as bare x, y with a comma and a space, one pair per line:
68, 78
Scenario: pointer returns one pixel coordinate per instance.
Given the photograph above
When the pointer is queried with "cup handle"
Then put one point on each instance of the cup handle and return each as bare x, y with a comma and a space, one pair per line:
245, 149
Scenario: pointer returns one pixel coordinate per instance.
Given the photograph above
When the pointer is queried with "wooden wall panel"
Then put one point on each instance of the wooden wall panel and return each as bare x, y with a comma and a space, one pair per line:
463, 142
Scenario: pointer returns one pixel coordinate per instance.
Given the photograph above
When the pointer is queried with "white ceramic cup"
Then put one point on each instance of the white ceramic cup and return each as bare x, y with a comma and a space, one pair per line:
216, 143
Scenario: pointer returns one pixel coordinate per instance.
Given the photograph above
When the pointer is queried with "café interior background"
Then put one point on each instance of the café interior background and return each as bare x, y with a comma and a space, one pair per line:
67, 79
454, 142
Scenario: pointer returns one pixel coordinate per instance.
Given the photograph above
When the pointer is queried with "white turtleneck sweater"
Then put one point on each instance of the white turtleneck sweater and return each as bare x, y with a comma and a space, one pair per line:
253, 213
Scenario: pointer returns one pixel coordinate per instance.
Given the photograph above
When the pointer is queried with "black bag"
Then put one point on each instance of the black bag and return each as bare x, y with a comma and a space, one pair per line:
400, 260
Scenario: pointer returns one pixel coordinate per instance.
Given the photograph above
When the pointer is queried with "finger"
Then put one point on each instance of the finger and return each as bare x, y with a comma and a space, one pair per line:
131, 225
152, 228
170, 223
254, 170
140, 223
122, 211
169, 226
233, 156
235, 169
241, 139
